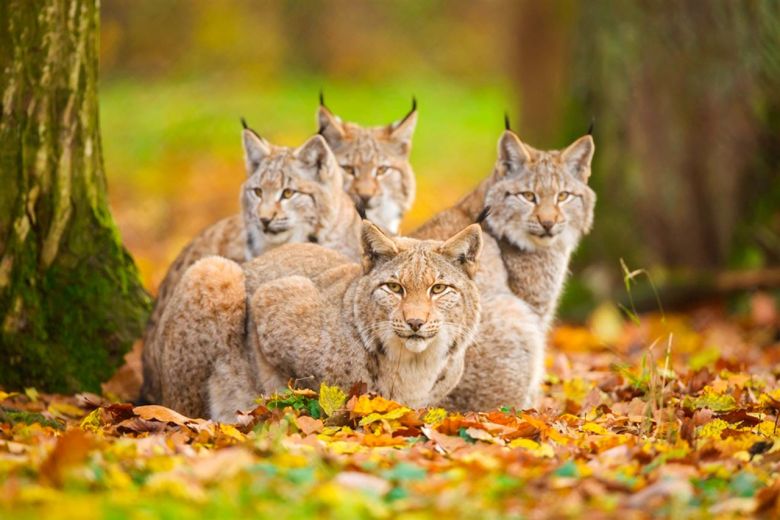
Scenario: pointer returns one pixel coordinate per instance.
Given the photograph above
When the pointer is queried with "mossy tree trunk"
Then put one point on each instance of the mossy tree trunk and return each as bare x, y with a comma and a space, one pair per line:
71, 302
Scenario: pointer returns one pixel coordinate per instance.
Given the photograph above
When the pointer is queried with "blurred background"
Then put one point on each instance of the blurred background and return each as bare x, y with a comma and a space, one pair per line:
685, 97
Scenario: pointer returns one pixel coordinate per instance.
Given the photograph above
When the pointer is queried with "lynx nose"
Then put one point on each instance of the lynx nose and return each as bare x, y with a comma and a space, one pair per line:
547, 224
415, 324
265, 221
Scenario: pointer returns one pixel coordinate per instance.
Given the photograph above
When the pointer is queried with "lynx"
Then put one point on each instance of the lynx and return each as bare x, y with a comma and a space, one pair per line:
376, 162
290, 196
535, 207
400, 322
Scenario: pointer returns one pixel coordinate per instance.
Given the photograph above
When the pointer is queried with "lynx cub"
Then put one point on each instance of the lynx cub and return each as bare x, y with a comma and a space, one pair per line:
536, 206
290, 195
399, 322
378, 176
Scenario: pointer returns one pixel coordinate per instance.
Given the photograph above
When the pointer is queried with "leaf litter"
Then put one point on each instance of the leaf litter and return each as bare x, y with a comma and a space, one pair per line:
666, 416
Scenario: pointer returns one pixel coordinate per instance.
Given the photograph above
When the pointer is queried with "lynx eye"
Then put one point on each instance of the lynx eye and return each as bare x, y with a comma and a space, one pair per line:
438, 288
287, 193
381, 170
529, 196
564, 195
349, 169
394, 287
258, 192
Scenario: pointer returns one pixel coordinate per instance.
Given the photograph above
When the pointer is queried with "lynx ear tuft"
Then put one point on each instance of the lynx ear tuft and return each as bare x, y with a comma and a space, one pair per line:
483, 215
512, 153
402, 131
316, 154
578, 156
377, 247
255, 148
464, 248
507, 125
329, 125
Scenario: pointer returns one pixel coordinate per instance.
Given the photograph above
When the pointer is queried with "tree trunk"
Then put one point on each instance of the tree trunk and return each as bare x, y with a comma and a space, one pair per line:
71, 302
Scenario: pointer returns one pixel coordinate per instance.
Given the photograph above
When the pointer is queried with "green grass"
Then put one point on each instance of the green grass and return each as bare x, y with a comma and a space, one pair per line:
147, 125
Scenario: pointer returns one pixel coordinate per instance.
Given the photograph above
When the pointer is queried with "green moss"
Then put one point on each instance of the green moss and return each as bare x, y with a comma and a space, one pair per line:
65, 324
13, 416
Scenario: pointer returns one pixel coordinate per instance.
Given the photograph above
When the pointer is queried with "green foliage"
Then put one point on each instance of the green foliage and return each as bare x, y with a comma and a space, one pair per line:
298, 402
13, 416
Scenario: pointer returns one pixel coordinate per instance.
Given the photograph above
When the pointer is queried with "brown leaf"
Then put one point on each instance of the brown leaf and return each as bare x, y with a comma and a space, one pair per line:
153, 412
768, 500
71, 449
119, 412
741, 417
357, 389
444, 443
308, 425
138, 425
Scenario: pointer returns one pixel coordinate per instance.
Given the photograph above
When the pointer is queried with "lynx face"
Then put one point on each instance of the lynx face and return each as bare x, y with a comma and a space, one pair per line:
419, 293
538, 199
375, 160
287, 192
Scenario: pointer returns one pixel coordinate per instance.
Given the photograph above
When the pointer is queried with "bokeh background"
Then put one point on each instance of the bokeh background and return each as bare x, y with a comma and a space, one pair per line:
685, 97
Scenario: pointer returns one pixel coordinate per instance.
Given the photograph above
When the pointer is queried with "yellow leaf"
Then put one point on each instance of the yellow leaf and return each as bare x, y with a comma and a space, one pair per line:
714, 400
365, 405
388, 416
117, 479
344, 447
7, 395
32, 393
528, 444
435, 416
606, 323
232, 432
92, 421
482, 459
60, 409
576, 389
712, 428
332, 398
594, 428
540, 450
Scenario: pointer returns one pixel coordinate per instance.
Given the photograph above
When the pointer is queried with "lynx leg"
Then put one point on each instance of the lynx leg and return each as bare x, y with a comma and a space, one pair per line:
287, 324
203, 327
505, 365
230, 389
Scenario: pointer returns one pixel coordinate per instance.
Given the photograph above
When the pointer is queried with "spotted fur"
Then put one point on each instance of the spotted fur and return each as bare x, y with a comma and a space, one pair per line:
400, 322
531, 234
378, 175
291, 195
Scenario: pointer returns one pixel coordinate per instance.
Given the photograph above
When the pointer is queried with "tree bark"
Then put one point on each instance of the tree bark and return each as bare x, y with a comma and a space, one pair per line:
71, 302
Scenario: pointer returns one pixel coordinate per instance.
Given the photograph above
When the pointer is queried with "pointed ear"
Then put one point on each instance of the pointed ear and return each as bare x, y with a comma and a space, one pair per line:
315, 153
512, 153
255, 149
377, 247
402, 131
578, 156
330, 126
464, 248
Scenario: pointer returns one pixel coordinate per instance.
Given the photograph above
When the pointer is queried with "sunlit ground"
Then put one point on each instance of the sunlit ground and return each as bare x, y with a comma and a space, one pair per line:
174, 161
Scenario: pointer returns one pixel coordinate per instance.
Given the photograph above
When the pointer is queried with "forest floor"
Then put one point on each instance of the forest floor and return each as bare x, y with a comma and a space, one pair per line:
671, 416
